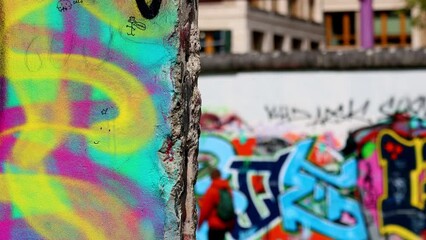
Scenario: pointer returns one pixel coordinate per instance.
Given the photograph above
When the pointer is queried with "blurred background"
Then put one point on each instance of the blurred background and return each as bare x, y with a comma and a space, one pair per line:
314, 111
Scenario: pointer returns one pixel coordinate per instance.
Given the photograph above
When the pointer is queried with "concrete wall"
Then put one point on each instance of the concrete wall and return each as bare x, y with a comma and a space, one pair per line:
308, 61
282, 140
306, 101
98, 113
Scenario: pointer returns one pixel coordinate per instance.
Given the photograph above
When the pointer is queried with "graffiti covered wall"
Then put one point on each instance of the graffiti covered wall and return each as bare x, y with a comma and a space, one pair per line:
88, 90
315, 101
391, 177
328, 162
373, 188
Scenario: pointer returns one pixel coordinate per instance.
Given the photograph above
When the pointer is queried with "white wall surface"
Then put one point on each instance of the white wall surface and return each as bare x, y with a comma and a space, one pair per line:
316, 96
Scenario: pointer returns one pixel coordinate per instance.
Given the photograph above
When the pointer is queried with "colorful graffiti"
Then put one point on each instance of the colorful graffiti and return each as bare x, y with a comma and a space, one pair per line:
83, 113
392, 175
312, 188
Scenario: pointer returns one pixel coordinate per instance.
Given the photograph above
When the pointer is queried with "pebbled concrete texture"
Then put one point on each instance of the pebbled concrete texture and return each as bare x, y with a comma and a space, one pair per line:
341, 60
185, 117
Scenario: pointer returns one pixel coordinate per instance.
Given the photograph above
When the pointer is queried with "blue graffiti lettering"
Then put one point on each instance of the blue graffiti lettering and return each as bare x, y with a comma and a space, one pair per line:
302, 179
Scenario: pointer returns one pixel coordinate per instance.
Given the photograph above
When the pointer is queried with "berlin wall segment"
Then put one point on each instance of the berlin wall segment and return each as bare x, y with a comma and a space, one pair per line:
99, 113
294, 186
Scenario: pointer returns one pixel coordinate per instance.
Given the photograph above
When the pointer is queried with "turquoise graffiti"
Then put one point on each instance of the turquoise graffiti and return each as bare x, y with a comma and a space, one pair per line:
85, 91
291, 186
303, 180
288, 193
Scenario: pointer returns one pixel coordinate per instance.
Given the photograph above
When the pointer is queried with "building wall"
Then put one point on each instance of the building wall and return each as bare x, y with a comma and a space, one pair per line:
271, 25
282, 140
227, 15
241, 19
354, 5
332, 6
91, 145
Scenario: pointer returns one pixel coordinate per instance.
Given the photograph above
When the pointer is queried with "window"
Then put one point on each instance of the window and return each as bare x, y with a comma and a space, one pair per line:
215, 42
311, 10
275, 6
340, 29
315, 46
254, 3
392, 29
296, 44
257, 41
292, 8
278, 42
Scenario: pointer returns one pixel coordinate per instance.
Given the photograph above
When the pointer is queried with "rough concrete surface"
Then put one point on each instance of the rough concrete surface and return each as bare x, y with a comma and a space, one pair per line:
343, 60
185, 116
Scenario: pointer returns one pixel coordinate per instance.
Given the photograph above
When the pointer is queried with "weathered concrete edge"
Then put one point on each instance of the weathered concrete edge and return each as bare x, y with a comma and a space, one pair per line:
184, 118
344, 60
192, 115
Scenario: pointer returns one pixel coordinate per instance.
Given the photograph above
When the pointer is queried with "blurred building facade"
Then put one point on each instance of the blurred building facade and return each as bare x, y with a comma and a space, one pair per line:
243, 26
392, 25
238, 26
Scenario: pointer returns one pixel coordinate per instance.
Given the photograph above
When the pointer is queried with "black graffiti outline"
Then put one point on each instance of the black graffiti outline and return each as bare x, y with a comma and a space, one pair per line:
75, 44
64, 5
351, 110
341, 113
414, 105
104, 111
27, 52
151, 11
322, 115
134, 25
